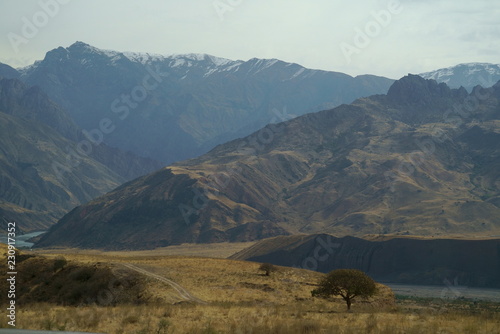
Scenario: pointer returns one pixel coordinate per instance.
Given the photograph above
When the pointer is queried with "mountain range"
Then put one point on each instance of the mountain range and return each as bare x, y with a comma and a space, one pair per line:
170, 108
123, 106
421, 160
466, 75
72, 91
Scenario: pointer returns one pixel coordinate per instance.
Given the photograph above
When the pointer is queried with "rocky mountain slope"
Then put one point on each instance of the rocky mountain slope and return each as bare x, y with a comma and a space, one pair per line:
8, 72
466, 75
31, 103
40, 180
422, 160
452, 263
170, 108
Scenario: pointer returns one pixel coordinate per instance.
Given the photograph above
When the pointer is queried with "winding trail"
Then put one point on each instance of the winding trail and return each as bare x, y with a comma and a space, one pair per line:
182, 292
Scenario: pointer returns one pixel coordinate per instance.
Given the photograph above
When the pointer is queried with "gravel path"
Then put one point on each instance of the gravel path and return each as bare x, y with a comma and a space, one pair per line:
182, 291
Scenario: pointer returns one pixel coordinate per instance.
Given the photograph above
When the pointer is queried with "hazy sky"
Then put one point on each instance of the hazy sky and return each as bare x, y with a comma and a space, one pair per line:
409, 36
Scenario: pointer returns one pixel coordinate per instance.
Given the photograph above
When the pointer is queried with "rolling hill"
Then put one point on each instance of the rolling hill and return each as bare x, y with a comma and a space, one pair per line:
120, 293
464, 263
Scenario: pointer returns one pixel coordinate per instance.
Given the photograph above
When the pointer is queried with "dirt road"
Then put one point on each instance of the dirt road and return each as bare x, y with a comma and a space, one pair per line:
182, 292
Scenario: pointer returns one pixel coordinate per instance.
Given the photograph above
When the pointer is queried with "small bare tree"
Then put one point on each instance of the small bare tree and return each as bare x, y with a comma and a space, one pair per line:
268, 268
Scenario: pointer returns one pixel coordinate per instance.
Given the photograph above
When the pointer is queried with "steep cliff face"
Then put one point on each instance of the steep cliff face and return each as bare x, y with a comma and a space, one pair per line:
398, 260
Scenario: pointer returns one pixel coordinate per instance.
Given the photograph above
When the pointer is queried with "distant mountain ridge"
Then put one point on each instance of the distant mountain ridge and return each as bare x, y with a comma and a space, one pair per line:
36, 136
466, 75
202, 100
192, 102
401, 163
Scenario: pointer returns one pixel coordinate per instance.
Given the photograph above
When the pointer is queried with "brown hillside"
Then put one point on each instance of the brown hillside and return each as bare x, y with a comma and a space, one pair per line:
386, 164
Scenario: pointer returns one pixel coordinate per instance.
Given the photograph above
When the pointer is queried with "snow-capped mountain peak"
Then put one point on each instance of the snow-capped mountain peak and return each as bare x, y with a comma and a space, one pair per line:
86, 48
183, 65
144, 58
467, 75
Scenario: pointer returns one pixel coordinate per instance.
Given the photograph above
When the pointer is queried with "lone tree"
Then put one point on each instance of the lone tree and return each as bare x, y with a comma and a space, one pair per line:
268, 268
348, 283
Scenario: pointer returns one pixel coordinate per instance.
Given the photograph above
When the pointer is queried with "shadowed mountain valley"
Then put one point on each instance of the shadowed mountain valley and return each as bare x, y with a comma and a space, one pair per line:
40, 179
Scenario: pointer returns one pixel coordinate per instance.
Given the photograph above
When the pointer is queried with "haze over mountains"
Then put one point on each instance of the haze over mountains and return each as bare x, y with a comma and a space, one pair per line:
422, 160
466, 75
39, 180
186, 104
175, 107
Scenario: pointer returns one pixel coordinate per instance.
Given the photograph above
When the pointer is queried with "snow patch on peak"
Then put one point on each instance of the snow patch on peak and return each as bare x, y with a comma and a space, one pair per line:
475, 64
261, 64
439, 74
466, 75
194, 56
217, 61
477, 67
176, 62
144, 58
220, 61
299, 72
235, 65
470, 68
91, 49
265, 63
269, 63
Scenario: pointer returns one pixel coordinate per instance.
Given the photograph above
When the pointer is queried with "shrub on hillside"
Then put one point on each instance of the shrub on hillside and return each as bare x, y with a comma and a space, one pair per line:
347, 283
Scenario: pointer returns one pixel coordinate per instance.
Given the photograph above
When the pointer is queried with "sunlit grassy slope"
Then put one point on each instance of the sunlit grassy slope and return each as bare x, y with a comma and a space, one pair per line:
239, 299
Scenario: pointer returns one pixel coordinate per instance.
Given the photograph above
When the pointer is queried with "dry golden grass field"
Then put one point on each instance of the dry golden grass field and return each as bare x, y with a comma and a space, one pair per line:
235, 297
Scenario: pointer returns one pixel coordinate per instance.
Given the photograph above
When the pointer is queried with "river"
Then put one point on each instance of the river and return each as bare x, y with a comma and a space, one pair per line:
450, 291
21, 239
